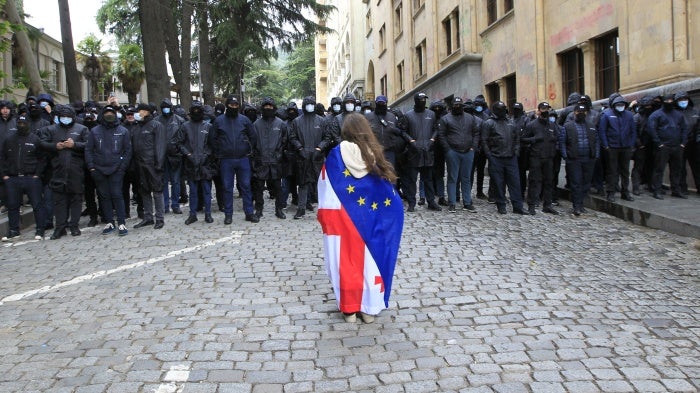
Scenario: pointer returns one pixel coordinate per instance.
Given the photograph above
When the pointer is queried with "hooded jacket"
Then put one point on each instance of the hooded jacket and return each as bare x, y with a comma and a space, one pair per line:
149, 144
67, 165
193, 142
423, 128
21, 155
499, 138
108, 148
617, 130
233, 136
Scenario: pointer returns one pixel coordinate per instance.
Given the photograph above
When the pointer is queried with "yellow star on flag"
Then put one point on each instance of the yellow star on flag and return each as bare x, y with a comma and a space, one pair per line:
387, 202
374, 205
350, 189
346, 172
361, 201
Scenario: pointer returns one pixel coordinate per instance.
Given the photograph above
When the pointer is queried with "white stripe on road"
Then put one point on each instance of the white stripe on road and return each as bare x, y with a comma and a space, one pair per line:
177, 373
235, 238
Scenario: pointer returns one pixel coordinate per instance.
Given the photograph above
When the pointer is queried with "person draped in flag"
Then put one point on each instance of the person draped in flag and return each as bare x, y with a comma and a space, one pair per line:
361, 215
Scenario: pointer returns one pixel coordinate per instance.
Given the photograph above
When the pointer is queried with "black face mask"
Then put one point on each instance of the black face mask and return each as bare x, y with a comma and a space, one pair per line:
197, 115
35, 113
580, 117
291, 115
668, 106
23, 129
419, 106
517, 112
268, 113
544, 115
231, 112
458, 110
500, 113
380, 109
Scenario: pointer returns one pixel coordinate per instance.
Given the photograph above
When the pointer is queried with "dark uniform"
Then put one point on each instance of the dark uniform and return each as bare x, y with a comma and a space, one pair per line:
543, 136
268, 157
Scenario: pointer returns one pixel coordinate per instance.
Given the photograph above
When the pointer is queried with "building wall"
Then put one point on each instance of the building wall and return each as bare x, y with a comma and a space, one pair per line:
656, 43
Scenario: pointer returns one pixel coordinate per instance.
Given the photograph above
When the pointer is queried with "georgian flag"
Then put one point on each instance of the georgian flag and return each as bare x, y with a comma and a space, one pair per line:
362, 221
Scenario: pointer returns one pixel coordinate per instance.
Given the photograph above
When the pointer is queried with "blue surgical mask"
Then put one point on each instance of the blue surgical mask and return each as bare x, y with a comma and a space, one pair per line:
552, 119
65, 120
479, 108
620, 108
137, 116
310, 108
336, 108
683, 104
55, 120
166, 111
43, 104
349, 107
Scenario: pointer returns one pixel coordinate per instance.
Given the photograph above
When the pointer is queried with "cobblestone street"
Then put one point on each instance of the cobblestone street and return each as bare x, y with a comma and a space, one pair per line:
481, 303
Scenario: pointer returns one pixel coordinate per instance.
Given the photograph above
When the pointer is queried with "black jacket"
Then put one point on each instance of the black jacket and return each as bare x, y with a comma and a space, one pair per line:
193, 142
67, 165
499, 138
149, 144
268, 151
171, 123
543, 138
422, 127
387, 131
305, 136
21, 155
108, 149
460, 133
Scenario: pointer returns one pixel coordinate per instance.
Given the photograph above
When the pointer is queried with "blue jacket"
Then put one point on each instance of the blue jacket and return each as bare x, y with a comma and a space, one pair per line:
108, 149
617, 130
667, 128
233, 137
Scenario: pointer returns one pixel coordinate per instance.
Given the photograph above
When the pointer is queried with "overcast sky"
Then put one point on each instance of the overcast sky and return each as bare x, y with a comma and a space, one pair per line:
44, 13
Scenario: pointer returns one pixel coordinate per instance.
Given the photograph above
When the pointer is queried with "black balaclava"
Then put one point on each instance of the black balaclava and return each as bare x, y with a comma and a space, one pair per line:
518, 110
231, 112
469, 106
34, 111
380, 106
196, 111
439, 108
251, 113
419, 102
580, 113
669, 102
499, 110
268, 108
457, 106
23, 126
292, 111
544, 109
109, 117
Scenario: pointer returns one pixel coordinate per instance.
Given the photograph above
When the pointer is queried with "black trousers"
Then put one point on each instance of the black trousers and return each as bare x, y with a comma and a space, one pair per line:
479, 167
66, 208
503, 172
426, 174
90, 196
673, 156
275, 187
618, 168
540, 181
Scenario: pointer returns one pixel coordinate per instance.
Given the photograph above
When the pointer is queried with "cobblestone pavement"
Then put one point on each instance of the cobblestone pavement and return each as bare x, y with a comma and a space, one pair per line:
481, 303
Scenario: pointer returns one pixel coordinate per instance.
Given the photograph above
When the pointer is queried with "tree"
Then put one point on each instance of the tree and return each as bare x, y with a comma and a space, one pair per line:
206, 75
153, 40
69, 63
98, 65
31, 68
117, 17
246, 30
130, 70
5, 43
301, 70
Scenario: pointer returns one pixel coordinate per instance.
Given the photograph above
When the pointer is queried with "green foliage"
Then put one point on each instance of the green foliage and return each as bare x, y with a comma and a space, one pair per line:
5, 44
119, 17
300, 70
265, 80
129, 67
243, 30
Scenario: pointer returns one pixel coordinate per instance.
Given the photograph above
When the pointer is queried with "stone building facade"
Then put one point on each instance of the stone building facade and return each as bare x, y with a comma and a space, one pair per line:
525, 50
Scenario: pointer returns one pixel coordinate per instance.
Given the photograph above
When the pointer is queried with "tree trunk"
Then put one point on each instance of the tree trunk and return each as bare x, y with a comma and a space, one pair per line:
35, 85
132, 98
186, 43
69, 63
157, 80
172, 44
205, 69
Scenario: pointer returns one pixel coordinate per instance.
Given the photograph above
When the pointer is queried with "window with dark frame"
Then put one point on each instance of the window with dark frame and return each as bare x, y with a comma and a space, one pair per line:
491, 11
420, 60
511, 90
383, 85
571, 72
507, 6
607, 67
398, 23
399, 77
450, 30
382, 38
493, 92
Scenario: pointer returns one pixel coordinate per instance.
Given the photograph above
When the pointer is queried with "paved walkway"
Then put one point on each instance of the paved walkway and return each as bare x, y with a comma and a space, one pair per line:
481, 303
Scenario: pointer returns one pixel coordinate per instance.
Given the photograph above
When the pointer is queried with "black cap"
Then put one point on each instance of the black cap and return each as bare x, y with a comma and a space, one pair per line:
145, 107
544, 105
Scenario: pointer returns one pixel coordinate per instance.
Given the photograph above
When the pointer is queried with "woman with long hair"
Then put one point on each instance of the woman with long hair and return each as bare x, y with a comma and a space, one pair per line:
362, 219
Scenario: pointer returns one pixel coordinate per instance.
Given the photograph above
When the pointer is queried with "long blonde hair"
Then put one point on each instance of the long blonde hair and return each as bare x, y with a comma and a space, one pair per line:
356, 129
